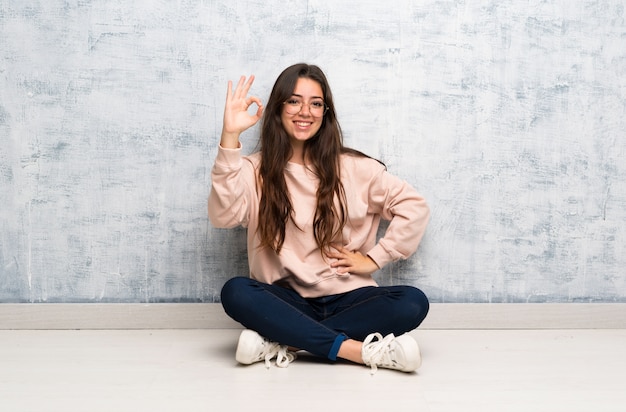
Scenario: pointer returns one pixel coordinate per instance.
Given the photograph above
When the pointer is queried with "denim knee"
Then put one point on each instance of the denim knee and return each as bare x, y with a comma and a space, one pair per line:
418, 305
235, 294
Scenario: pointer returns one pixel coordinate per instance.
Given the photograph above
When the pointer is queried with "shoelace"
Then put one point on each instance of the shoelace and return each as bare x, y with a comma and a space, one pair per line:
283, 356
377, 353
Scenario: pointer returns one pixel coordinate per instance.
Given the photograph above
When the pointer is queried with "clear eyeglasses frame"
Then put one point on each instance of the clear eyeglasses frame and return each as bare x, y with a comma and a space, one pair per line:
317, 107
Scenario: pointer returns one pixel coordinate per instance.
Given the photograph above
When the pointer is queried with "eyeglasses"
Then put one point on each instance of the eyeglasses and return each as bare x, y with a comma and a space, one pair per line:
317, 107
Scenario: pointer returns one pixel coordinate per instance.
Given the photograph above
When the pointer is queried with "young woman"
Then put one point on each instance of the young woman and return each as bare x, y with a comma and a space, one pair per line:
312, 209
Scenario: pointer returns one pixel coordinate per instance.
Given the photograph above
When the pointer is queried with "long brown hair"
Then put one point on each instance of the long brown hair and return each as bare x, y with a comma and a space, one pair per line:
323, 150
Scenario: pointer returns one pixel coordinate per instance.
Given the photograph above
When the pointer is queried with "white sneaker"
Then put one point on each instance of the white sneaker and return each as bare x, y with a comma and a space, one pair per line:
253, 347
400, 353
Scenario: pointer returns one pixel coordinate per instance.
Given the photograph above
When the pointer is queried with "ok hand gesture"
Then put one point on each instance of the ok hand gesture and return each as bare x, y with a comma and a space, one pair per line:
236, 116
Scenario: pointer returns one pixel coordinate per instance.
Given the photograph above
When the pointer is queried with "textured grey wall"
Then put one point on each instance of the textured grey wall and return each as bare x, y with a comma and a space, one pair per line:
508, 116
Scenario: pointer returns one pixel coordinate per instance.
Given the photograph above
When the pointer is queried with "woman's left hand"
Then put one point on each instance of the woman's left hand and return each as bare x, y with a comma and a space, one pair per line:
352, 262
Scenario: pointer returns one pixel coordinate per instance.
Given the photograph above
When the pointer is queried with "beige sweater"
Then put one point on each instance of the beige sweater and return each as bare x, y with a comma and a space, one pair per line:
371, 193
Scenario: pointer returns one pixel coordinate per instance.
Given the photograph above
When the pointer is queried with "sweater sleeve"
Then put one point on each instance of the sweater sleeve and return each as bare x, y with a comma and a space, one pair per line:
232, 178
407, 212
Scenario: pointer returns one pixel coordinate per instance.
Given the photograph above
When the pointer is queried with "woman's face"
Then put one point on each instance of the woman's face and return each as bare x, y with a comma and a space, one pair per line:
302, 122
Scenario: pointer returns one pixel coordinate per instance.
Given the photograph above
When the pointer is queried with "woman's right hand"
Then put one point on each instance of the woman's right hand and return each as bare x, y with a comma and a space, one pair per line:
236, 116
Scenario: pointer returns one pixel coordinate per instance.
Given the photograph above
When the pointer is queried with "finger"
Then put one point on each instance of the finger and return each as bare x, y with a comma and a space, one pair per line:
335, 255
253, 99
342, 263
248, 84
344, 269
240, 83
259, 112
243, 87
229, 90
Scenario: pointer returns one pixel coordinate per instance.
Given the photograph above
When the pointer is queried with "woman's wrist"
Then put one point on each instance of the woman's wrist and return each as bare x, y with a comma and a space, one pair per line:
230, 140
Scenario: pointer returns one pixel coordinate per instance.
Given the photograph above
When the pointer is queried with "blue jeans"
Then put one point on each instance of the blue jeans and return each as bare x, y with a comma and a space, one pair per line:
320, 325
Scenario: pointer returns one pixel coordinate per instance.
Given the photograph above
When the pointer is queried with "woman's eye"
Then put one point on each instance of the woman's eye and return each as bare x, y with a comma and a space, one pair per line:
293, 102
317, 104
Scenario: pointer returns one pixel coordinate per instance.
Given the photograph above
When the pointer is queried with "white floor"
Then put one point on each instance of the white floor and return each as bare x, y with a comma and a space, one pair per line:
195, 370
